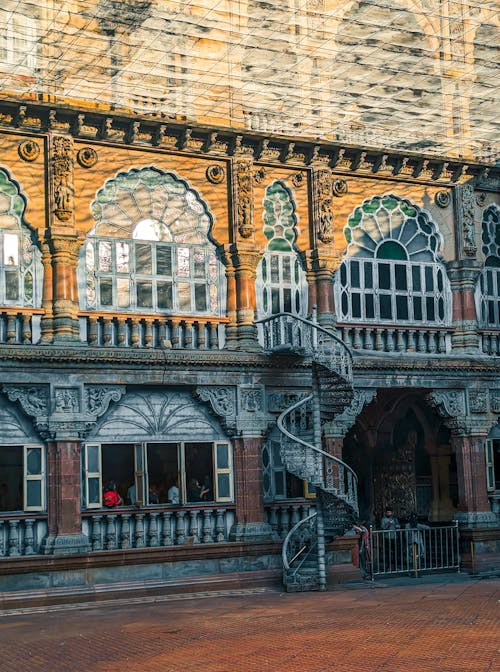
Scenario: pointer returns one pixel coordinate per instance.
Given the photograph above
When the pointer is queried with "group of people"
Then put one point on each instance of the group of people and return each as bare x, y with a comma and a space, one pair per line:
195, 493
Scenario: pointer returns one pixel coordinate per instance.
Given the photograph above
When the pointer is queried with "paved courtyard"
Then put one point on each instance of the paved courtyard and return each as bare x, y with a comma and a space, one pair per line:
447, 625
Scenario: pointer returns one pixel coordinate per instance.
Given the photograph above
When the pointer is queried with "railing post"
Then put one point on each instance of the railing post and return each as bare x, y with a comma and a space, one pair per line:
314, 320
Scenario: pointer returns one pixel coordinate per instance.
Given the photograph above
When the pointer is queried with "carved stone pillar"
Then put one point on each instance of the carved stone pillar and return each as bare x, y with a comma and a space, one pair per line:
250, 517
463, 279
323, 262
62, 238
65, 291
245, 264
441, 507
47, 326
231, 304
64, 495
473, 504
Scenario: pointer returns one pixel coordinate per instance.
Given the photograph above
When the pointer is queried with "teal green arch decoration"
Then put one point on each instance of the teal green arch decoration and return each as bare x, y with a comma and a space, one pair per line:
280, 220
383, 219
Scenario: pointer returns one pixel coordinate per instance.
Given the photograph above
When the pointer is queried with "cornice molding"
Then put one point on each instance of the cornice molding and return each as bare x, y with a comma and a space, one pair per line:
158, 133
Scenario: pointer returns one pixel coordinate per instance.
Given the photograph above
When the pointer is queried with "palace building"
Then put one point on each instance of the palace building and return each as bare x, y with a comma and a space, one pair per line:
250, 275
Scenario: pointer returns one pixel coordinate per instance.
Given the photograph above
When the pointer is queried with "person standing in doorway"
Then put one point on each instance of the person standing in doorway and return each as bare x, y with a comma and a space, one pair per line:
390, 524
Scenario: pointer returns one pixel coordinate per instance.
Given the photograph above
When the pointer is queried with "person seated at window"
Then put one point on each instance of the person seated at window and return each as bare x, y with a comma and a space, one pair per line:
153, 496
173, 493
111, 498
207, 486
196, 492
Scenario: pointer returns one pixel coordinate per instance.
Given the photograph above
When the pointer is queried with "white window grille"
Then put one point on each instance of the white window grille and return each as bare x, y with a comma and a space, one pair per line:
18, 40
393, 273
281, 284
488, 287
150, 251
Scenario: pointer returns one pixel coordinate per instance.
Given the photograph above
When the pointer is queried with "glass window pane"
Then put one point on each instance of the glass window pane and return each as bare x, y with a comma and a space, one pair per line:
33, 493
222, 456
287, 275
163, 260
143, 260
279, 483
441, 308
430, 308
296, 272
400, 276
28, 287
401, 307
34, 461
275, 275
417, 308
223, 486
343, 275
183, 262
368, 275
415, 274
89, 257
93, 465
276, 454
11, 285
144, 294
275, 298
93, 494
214, 298
104, 256
297, 301
356, 305
106, 291
264, 269
369, 306
429, 280
385, 307
489, 282
440, 280
199, 263
200, 297
184, 290
287, 300
123, 292
122, 257
164, 295
11, 249
384, 276
354, 274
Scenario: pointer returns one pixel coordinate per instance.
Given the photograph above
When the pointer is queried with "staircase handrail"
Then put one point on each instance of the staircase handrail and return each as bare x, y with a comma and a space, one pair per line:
290, 534
297, 439
319, 330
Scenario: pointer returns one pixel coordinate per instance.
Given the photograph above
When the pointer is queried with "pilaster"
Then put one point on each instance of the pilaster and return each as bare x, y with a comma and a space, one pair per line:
463, 279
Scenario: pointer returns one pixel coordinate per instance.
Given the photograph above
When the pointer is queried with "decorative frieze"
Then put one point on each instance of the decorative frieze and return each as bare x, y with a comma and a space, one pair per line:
465, 202
221, 399
342, 423
277, 401
243, 197
478, 401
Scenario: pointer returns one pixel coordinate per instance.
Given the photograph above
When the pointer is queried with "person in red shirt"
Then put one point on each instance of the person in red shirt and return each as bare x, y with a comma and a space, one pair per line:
111, 498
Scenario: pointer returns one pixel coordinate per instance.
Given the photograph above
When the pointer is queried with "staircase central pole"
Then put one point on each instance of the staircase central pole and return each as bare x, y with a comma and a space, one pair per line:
316, 411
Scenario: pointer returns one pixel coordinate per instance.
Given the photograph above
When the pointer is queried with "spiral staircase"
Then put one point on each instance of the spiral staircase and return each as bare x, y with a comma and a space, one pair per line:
335, 483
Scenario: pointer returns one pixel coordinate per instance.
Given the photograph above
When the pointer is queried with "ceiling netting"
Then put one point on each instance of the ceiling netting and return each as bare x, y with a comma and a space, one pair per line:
418, 75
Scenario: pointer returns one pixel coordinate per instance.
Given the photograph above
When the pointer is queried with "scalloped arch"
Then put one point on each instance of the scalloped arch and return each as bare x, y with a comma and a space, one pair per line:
280, 219
151, 194
12, 202
391, 218
490, 235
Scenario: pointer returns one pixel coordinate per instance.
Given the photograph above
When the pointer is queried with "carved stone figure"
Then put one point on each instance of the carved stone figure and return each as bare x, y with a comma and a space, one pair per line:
62, 177
243, 197
323, 190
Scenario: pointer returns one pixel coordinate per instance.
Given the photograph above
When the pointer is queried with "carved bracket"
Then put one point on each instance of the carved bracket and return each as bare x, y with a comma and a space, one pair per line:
342, 423
222, 401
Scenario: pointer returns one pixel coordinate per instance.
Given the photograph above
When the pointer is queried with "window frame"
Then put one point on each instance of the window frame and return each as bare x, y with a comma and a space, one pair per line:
33, 478
26, 61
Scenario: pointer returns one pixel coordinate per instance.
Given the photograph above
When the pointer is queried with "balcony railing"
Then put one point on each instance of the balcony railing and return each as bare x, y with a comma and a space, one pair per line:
489, 342
19, 326
162, 526
189, 333
282, 516
396, 339
21, 534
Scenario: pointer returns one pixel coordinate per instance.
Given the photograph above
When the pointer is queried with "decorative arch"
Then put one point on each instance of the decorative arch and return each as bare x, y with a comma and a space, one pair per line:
150, 249
21, 269
281, 284
488, 284
393, 270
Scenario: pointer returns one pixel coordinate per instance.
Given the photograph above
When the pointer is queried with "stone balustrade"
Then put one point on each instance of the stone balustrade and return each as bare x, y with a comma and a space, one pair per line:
161, 526
189, 333
282, 516
21, 534
19, 326
489, 342
396, 339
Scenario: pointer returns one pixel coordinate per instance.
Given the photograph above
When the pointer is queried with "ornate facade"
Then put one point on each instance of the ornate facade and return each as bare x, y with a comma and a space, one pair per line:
141, 258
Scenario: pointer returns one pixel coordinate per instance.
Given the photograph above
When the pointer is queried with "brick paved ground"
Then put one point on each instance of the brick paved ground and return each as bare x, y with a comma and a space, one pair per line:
445, 626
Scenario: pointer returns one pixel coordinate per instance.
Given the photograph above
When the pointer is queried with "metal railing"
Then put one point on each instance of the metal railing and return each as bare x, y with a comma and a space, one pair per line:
414, 550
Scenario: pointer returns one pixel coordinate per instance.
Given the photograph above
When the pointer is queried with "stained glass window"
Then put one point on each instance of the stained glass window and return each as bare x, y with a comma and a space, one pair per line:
393, 272
281, 280
150, 250
488, 287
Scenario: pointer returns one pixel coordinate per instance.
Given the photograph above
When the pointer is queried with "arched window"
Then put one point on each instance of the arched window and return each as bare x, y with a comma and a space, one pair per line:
20, 259
393, 271
281, 280
149, 251
488, 289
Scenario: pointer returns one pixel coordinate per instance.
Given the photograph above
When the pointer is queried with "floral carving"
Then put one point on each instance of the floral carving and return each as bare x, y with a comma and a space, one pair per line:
34, 399
298, 180
62, 176
442, 198
340, 188
215, 174
323, 189
98, 398
29, 150
243, 197
222, 399
467, 204
87, 157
